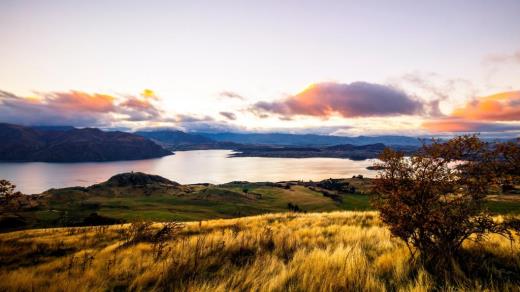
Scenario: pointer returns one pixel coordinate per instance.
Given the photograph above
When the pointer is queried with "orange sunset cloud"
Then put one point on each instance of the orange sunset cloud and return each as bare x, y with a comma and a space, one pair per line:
79, 101
485, 114
460, 125
499, 107
78, 108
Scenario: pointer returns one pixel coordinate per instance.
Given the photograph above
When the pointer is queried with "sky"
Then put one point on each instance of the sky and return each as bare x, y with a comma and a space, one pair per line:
329, 67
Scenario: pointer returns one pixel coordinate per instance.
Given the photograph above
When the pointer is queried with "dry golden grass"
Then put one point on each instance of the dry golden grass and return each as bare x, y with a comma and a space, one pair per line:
338, 251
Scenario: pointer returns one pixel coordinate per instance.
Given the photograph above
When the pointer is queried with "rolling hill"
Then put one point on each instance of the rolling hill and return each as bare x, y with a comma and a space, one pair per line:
128, 197
132, 196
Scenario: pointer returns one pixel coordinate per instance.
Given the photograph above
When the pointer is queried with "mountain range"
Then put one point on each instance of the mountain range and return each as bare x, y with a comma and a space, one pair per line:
175, 140
228, 140
284, 139
283, 145
68, 144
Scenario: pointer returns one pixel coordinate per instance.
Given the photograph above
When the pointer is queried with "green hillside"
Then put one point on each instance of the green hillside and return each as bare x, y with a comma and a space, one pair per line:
137, 196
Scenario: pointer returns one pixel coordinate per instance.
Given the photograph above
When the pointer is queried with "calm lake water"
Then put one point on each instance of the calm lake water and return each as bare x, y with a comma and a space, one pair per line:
186, 167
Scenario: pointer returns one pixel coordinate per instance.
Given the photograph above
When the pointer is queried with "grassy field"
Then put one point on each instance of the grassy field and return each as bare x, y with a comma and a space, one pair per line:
336, 251
167, 202
159, 202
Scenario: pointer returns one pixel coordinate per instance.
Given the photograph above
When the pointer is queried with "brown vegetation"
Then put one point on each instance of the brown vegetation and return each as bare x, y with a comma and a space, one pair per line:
6, 189
433, 200
338, 251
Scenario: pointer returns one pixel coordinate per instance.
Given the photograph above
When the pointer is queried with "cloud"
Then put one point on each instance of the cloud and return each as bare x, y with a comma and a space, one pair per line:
209, 127
358, 99
425, 81
63, 101
183, 118
496, 113
78, 108
503, 58
140, 108
229, 115
461, 125
197, 123
317, 130
503, 106
148, 93
433, 87
231, 94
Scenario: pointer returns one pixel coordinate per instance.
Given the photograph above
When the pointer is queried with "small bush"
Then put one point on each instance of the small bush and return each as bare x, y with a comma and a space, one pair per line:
294, 207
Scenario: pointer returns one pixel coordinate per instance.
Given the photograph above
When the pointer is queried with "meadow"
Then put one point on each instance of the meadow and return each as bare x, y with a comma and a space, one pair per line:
159, 202
335, 251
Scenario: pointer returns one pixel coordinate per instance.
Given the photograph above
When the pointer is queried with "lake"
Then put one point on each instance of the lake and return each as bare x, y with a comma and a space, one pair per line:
185, 167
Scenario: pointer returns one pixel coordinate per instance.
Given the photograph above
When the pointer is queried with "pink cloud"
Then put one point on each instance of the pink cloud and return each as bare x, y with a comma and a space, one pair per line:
358, 99
77, 108
485, 114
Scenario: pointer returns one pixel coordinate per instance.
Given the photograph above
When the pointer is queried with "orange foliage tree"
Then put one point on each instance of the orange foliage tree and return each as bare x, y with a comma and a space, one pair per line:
434, 199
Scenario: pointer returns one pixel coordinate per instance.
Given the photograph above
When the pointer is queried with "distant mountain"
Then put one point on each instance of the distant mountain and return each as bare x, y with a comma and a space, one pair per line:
281, 145
173, 137
354, 152
178, 140
69, 144
308, 139
53, 128
350, 147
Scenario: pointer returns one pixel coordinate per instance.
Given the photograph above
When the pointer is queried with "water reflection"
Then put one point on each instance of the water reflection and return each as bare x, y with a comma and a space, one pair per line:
213, 166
